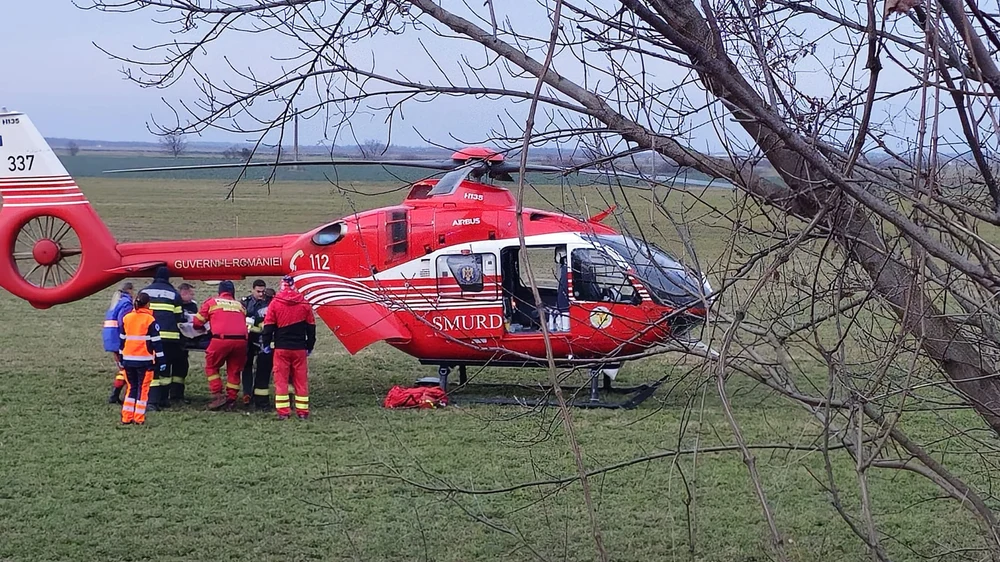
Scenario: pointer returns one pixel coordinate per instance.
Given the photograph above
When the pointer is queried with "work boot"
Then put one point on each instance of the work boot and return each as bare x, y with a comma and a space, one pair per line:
230, 405
282, 417
218, 401
156, 395
115, 397
176, 394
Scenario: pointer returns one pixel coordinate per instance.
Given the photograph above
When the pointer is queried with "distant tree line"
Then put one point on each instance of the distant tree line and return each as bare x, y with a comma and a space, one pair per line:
236, 153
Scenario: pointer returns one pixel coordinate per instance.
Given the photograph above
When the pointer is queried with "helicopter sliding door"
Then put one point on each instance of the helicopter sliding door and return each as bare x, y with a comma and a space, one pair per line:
468, 305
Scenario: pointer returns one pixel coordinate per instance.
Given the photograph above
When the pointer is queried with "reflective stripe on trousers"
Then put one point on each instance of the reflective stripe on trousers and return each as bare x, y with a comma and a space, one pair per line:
137, 383
302, 403
290, 365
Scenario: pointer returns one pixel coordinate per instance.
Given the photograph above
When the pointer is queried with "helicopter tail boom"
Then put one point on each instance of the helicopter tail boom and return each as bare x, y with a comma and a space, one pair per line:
54, 248
223, 258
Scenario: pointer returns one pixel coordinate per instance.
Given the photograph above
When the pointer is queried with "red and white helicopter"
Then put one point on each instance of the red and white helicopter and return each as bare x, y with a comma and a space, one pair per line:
441, 276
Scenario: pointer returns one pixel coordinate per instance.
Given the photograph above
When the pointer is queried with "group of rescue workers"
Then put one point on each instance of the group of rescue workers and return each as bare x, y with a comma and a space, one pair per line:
267, 333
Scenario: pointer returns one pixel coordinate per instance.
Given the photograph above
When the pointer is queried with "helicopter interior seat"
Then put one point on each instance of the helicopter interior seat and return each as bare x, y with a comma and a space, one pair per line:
585, 286
523, 313
519, 300
547, 294
520, 310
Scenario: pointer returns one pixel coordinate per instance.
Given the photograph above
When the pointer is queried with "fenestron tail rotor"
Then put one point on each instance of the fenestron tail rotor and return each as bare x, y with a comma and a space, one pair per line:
47, 251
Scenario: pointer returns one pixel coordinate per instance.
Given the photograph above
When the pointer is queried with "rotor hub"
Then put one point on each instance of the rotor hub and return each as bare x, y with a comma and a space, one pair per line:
46, 252
477, 153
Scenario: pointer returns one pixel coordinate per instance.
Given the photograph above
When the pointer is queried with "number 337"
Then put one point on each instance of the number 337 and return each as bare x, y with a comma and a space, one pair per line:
20, 163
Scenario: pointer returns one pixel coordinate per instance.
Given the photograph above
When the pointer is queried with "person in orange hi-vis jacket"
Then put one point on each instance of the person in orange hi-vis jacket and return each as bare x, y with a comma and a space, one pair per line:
227, 321
141, 351
290, 327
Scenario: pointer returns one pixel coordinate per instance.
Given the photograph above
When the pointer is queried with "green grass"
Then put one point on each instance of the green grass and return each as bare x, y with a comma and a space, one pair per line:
197, 485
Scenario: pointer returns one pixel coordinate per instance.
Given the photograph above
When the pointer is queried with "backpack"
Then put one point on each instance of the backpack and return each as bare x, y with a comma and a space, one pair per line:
418, 397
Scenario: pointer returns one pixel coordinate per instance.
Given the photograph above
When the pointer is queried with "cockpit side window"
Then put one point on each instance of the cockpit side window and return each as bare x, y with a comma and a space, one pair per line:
597, 278
329, 234
669, 282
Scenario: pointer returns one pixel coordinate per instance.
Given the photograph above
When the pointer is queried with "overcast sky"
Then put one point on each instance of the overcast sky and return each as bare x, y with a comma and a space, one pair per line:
70, 88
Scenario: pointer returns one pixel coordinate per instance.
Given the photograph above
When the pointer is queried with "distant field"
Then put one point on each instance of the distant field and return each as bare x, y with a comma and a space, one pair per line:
95, 164
197, 485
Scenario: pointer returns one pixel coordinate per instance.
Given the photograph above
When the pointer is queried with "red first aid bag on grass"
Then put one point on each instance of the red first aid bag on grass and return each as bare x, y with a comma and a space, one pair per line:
418, 397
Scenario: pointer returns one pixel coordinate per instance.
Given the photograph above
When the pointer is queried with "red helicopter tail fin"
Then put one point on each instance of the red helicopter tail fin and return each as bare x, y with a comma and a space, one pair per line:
602, 215
54, 248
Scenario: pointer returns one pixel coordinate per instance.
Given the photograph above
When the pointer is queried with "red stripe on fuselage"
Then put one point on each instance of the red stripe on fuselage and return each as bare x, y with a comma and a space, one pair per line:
40, 185
34, 178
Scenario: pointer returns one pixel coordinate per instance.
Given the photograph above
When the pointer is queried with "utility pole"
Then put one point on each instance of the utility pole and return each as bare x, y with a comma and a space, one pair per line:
296, 138
652, 185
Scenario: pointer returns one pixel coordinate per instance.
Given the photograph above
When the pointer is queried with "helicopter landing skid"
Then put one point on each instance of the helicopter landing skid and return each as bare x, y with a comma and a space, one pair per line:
634, 395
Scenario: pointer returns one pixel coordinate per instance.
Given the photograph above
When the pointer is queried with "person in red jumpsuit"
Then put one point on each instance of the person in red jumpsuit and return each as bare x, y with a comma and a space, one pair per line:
227, 322
290, 329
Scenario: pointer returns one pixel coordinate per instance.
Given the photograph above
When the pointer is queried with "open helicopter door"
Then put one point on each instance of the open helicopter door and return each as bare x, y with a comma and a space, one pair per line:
522, 317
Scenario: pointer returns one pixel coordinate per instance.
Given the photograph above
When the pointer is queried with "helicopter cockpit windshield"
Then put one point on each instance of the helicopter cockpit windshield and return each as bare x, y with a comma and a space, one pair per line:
450, 181
667, 280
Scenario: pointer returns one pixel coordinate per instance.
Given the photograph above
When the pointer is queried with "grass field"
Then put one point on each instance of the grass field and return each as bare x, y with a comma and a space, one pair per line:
197, 485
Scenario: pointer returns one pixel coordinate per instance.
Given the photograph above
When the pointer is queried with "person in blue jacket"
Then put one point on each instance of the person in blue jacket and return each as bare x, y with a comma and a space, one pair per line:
121, 304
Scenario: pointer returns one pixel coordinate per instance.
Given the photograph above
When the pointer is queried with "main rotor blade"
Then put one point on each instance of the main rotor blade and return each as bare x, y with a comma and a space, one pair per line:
494, 169
510, 167
426, 164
